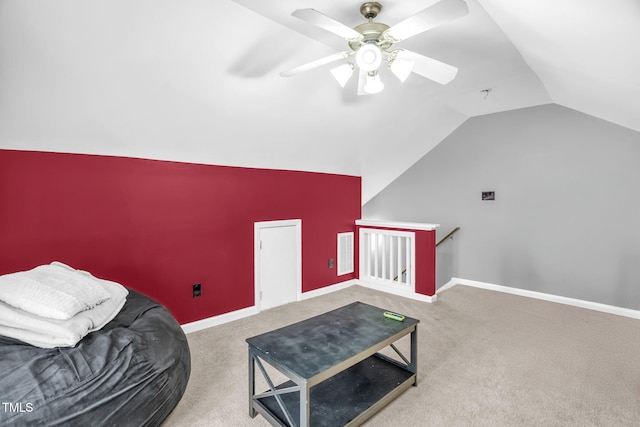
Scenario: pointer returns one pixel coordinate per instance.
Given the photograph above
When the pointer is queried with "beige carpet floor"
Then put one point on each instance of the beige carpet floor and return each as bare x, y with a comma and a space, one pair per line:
485, 359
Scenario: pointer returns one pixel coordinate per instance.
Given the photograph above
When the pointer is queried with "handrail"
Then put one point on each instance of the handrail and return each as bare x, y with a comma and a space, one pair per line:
451, 233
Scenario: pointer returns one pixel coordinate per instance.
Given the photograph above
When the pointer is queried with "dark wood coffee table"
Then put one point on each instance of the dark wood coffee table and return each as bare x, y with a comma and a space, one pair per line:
336, 374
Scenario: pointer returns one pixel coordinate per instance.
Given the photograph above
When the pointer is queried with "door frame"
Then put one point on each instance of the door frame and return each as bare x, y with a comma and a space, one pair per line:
257, 226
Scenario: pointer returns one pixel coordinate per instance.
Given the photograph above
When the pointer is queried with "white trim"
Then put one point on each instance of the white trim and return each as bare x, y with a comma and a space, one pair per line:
328, 289
396, 224
257, 226
364, 267
450, 284
210, 322
399, 292
619, 311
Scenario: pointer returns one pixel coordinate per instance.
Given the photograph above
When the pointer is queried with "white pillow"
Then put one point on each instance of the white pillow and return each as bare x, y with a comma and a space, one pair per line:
56, 291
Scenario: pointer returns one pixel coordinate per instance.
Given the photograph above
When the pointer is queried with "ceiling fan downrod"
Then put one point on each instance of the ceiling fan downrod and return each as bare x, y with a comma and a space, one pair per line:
371, 31
370, 10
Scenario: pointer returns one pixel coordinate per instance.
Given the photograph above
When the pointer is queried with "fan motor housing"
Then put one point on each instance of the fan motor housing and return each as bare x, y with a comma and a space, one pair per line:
371, 33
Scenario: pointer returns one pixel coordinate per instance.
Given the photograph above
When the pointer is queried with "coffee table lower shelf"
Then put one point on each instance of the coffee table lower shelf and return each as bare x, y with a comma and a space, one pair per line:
346, 399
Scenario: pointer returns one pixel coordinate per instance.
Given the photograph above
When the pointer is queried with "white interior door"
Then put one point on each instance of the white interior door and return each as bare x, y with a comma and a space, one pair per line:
277, 263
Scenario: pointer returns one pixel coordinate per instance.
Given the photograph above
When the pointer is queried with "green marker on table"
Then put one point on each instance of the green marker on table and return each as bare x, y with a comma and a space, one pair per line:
394, 316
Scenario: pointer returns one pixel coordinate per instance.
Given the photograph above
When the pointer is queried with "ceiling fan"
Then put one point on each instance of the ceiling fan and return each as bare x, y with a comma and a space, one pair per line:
373, 42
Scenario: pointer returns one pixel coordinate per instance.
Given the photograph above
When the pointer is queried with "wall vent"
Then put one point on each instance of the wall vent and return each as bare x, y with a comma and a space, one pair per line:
345, 253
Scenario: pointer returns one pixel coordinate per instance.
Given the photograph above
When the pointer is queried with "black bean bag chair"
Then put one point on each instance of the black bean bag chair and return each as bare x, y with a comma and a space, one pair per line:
132, 372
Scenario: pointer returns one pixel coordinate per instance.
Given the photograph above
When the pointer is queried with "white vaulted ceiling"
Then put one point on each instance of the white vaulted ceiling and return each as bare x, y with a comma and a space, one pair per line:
198, 81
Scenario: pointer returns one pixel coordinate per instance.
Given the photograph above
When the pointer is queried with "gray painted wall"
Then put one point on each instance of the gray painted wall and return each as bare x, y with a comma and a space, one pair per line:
566, 219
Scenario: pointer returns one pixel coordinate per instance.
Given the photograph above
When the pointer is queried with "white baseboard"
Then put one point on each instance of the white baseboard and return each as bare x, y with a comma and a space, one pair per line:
250, 311
611, 309
398, 292
209, 322
328, 289
450, 284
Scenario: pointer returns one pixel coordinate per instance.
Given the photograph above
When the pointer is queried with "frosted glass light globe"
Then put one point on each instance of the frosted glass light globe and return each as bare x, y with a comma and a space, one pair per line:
369, 57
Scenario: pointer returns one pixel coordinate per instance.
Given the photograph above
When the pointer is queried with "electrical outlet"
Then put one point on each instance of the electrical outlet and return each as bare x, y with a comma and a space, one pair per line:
331, 262
197, 290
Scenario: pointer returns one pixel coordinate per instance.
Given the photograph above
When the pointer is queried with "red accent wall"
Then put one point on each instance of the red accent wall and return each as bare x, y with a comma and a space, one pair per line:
159, 227
426, 262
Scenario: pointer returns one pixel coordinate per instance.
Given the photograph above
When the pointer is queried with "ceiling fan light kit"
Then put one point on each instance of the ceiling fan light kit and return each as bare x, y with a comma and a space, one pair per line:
372, 41
401, 68
343, 73
373, 83
369, 57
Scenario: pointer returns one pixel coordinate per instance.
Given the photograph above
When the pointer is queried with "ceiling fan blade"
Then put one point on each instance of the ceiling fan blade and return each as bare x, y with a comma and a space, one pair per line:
430, 68
321, 20
315, 64
431, 17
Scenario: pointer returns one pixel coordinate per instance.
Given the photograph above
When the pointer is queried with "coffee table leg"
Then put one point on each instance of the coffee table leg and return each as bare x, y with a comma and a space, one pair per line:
304, 404
413, 367
252, 384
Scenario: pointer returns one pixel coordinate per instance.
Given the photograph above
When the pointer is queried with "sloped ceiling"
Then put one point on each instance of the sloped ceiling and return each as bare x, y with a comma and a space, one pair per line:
198, 81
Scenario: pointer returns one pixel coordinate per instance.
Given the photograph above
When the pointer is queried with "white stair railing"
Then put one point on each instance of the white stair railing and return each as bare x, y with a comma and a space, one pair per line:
387, 257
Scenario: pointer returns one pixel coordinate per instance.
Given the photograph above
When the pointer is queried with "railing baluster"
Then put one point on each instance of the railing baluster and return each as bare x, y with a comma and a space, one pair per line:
386, 257
376, 255
391, 252
399, 259
364, 253
383, 257
408, 262
372, 254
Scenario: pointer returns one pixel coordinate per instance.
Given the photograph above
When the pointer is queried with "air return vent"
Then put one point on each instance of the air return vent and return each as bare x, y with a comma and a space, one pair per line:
345, 253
